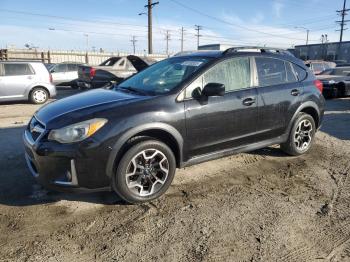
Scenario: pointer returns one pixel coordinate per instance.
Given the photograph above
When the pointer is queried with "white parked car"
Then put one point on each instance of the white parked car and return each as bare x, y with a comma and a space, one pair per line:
25, 81
65, 74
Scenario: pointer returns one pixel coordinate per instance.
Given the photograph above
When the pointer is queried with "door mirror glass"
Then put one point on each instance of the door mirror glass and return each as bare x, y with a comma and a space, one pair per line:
197, 93
214, 89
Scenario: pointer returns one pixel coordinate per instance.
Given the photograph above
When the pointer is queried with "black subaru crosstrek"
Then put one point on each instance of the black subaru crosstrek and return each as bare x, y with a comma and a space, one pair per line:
181, 111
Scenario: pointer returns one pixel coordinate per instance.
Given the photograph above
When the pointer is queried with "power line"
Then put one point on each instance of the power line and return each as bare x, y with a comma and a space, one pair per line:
229, 23
104, 22
309, 4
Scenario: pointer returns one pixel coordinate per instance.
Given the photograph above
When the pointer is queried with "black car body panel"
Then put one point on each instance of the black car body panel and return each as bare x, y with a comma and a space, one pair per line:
196, 130
116, 71
336, 81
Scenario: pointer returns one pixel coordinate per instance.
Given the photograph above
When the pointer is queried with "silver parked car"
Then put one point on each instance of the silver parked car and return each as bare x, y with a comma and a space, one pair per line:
25, 81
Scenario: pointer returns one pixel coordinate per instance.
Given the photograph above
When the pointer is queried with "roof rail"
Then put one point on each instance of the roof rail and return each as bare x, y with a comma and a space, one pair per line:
194, 51
262, 49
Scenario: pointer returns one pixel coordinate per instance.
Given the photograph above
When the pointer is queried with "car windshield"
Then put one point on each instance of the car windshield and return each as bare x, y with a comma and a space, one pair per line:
110, 61
162, 77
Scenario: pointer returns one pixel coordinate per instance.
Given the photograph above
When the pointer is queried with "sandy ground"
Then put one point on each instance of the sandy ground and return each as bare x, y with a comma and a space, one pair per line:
261, 206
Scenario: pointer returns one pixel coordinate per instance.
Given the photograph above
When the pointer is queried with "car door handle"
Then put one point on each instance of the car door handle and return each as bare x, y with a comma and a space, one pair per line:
29, 77
295, 92
248, 101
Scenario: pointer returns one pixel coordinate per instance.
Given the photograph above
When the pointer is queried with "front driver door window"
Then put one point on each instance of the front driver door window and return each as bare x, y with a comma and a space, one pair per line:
222, 122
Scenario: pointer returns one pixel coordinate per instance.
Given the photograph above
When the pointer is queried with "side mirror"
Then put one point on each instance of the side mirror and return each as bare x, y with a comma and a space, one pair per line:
52, 71
213, 89
197, 93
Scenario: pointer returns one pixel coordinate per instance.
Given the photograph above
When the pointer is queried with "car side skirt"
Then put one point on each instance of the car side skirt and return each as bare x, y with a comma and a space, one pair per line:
230, 151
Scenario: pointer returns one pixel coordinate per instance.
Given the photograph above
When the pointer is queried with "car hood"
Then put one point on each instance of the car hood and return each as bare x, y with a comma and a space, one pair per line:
85, 105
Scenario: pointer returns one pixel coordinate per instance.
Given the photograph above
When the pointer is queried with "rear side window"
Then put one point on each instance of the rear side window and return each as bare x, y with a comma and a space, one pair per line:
233, 73
72, 67
272, 71
17, 69
301, 73
318, 67
60, 68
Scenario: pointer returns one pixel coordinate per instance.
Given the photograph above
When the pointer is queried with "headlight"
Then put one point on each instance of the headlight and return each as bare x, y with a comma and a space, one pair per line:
331, 82
77, 132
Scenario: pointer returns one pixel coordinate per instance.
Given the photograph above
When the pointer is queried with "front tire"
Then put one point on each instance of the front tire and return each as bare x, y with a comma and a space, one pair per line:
38, 95
74, 85
145, 172
301, 135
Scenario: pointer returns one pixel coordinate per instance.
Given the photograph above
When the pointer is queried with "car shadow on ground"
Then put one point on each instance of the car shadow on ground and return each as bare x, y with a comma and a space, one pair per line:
19, 188
272, 151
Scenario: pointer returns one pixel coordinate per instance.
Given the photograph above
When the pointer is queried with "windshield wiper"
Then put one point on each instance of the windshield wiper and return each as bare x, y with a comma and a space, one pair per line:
133, 90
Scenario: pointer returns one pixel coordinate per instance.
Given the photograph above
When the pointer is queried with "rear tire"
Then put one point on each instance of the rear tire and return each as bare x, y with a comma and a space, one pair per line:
301, 135
334, 93
38, 95
145, 172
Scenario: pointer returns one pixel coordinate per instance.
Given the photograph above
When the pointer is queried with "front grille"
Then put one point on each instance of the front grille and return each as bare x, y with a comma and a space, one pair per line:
35, 128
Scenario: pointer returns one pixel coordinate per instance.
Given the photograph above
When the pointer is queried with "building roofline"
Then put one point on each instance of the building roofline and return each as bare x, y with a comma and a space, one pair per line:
329, 43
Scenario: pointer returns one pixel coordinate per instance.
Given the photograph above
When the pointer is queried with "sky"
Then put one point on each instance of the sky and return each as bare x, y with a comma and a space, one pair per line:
111, 24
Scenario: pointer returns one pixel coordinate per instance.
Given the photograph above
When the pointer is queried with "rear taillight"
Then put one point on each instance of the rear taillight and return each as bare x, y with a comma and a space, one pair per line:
92, 72
50, 78
319, 85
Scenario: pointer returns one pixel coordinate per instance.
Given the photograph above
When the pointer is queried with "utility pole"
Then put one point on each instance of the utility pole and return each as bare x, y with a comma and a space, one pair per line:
182, 39
149, 6
167, 38
133, 41
198, 28
342, 23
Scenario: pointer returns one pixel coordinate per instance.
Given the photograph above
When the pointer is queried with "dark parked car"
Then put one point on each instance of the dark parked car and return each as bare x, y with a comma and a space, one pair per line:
336, 82
113, 70
178, 112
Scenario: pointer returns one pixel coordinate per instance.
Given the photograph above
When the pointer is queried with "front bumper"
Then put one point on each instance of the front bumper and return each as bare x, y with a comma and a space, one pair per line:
66, 167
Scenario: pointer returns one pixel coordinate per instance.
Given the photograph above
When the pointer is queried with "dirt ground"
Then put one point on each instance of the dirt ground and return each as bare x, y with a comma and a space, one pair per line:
261, 206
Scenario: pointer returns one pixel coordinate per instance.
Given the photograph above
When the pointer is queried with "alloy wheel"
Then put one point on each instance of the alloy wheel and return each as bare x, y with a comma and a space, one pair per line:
303, 135
147, 172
